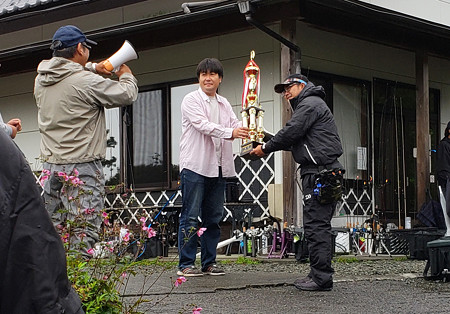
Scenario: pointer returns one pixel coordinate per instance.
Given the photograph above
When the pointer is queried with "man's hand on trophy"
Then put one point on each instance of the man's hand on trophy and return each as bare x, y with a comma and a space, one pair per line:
258, 151
240, 132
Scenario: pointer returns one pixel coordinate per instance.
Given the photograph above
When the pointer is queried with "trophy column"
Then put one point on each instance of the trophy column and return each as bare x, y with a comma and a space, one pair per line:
252, 114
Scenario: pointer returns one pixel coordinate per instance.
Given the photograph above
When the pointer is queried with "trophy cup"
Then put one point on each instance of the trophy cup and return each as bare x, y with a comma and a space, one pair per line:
252, 113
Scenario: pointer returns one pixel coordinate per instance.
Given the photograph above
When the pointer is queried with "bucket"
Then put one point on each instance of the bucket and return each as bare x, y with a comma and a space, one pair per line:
407, 222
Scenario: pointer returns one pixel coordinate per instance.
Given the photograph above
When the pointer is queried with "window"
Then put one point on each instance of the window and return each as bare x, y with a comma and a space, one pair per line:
111, 163
177, 94
148, 141
349, 101
394, 143
153, 136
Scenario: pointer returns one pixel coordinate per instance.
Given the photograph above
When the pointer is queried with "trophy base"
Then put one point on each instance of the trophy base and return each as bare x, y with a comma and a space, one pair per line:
247, 148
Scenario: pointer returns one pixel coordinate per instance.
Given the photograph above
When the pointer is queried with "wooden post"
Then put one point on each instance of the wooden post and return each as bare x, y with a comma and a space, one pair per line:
288, 31
422, 127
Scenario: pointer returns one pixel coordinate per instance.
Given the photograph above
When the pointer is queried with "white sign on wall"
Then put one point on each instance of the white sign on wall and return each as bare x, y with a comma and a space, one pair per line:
362, 158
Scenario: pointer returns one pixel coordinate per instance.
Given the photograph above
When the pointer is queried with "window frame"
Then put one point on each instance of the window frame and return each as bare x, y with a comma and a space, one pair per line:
127, 138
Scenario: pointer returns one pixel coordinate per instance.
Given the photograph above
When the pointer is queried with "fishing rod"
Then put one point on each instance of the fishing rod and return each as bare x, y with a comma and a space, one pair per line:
403, 156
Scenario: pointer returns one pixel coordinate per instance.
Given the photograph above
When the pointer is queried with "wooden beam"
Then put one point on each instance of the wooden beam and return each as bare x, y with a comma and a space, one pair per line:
422, 128
288, 31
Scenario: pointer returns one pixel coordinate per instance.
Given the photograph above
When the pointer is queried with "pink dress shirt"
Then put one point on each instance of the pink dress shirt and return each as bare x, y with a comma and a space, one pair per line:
197, 151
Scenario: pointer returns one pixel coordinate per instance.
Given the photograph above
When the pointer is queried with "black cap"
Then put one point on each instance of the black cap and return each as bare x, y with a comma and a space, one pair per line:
447, 130
294, 78
68, 36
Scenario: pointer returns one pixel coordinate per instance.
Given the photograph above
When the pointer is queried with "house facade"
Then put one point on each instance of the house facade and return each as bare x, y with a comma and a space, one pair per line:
385, 69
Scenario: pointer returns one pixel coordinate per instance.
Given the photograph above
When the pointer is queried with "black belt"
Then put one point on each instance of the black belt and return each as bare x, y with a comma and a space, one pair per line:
318, 168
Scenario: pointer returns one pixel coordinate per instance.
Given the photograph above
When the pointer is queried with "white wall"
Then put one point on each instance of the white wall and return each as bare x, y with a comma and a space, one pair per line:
437, 11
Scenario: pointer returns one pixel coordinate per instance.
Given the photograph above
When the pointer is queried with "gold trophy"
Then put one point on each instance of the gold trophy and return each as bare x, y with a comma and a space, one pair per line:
252, 113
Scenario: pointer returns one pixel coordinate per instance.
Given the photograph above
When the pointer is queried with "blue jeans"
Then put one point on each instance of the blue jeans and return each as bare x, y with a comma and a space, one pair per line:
202, 197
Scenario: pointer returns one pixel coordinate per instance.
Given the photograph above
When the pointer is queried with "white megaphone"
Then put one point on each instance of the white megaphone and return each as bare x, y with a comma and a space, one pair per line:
124, 54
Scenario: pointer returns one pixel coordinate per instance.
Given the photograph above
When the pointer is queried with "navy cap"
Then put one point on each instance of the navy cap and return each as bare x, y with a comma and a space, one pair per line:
68, 36
294, 78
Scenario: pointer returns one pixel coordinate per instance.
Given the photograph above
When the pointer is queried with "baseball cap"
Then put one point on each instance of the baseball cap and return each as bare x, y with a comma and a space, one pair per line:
68, 36
294, 78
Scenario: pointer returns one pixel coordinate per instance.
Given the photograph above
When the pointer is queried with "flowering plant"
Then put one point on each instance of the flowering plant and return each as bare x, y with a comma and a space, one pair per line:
100, 274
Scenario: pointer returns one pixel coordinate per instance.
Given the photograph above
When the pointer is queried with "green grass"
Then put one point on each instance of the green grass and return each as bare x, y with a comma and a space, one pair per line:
242, 260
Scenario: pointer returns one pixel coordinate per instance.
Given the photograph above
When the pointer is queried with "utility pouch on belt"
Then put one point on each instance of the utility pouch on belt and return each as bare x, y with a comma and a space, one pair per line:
328, 186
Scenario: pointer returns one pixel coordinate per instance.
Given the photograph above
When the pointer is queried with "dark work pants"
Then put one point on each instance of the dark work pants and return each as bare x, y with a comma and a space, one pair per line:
317, 226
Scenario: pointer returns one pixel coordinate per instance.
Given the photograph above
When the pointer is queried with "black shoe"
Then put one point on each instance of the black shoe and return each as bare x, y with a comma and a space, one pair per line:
310, 285
301, 280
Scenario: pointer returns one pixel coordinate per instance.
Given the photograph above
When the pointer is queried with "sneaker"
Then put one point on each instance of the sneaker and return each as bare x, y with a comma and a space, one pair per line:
190, 271
301, 280
213, 270
310, 285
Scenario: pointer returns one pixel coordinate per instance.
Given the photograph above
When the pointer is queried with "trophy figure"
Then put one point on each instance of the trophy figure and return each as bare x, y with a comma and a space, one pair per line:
252, 113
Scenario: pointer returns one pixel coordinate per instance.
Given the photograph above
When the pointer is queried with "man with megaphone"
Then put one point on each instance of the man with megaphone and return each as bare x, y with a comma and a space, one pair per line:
71, 98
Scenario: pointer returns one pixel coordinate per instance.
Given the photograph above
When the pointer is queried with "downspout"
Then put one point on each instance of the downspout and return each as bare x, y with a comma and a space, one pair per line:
246, 8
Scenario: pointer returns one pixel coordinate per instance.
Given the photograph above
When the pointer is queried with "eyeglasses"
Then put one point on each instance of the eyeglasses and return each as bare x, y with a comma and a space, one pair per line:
287, 88
86, 46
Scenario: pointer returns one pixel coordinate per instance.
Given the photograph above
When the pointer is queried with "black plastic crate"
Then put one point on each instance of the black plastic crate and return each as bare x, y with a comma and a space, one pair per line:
439, 253
418, 239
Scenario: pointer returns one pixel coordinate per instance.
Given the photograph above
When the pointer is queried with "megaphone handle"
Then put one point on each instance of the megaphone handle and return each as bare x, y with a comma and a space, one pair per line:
108, 65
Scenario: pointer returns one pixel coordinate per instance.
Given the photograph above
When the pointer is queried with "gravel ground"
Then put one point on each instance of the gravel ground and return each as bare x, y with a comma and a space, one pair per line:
371, 285
346, 267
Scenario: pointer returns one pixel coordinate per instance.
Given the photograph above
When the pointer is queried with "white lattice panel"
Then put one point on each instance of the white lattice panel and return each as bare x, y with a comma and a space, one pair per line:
136, 204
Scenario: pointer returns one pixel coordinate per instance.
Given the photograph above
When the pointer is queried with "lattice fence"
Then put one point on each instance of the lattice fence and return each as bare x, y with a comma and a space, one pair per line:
254, 179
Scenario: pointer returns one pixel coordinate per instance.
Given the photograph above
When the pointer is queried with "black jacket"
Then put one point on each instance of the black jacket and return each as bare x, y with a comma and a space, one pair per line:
311, 134
33, 274
443, 161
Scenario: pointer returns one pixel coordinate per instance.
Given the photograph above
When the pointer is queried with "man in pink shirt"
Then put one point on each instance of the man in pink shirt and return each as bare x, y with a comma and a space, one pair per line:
209, 126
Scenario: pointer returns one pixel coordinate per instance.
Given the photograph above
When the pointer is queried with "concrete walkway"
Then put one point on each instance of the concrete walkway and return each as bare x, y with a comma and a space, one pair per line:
271, 290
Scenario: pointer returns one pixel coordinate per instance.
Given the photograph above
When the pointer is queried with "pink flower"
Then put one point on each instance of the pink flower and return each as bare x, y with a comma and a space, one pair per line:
65, 237
75, 172
143, 219
124, 274
126, 237
200, 231
105, 215
63, 175
91, 251
151, 232
43, 179
76, 181
197, 310
179, 281
89, 211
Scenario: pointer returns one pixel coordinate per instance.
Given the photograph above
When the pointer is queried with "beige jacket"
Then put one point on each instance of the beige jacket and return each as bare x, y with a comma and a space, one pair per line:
71, 105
